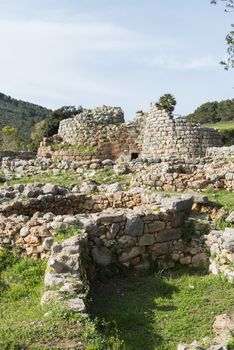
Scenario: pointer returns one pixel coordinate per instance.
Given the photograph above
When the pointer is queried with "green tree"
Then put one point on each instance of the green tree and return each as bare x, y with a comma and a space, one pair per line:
167, 102
20, 115
213, 112
10, 140
37, 135
55, 117
229, 63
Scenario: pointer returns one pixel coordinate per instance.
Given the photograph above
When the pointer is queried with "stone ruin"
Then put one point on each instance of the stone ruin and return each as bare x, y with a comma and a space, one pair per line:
129, 229
103, 133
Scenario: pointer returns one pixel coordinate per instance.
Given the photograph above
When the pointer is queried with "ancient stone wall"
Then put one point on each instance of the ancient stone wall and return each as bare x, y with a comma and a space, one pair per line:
176, 174
163, 135
220, 152
104, 130
103, 134
221, 244
112, 241
100, 133
23, 155
129, 236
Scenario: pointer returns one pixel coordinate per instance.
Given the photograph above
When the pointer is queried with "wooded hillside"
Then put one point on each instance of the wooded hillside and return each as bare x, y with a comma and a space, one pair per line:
20, 114
213, 112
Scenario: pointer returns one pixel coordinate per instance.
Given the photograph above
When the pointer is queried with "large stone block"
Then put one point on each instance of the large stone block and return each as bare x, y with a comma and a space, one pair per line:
147, 239
102, 255
134, 225
168, 235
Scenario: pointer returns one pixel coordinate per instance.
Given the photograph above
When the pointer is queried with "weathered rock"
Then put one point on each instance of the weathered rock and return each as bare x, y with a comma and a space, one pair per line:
134, 226
102, 255
75, 304
147, 239
230, 217
168, 235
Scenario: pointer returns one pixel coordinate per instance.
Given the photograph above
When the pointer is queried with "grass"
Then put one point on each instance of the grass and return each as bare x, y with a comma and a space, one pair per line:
222, 197
23, 324
108, 177
150, 311
68, 178
62, 179
229, 125
157, 313
63, 233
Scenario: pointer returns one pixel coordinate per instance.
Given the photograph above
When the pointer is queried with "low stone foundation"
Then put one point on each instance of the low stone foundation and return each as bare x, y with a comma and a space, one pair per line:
22, 155
175, 174
220, 152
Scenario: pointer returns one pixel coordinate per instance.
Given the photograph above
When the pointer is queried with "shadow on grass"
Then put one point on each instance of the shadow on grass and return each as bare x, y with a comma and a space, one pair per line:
129, 306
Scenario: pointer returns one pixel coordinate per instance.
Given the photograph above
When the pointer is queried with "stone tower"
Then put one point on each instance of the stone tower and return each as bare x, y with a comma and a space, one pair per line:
165, 136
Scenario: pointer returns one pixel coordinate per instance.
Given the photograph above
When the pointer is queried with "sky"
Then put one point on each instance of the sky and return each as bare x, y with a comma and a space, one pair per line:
114, 52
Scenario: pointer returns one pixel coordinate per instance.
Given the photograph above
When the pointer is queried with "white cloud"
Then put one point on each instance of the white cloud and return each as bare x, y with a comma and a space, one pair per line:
174, 63
57, 58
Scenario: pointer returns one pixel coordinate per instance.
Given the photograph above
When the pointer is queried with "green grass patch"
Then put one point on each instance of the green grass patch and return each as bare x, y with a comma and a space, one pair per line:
228, 125
153, 312
63, 233
23, 323
222, 197
68, 178
62, 179
108, 176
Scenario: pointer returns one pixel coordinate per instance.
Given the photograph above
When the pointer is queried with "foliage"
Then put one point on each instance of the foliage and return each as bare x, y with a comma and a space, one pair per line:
55, 117
20, 115
37, 134
221, 224
63, 233
188, 231
9, 139
229, 6
230, 345
167, 102
153, 312
227, 137
213, 112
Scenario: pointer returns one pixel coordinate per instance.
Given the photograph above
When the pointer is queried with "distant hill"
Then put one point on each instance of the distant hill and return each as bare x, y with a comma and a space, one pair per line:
213, 112
20, 114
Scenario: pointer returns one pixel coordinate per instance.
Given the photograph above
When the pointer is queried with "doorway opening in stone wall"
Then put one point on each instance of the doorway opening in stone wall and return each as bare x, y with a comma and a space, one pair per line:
134, 155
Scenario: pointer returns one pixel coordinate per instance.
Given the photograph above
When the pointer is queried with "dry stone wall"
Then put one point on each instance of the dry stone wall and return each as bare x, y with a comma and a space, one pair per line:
176, 174
141, 225
23, 155
103, 130
163, 135
150, 135
221, 244
220, 152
